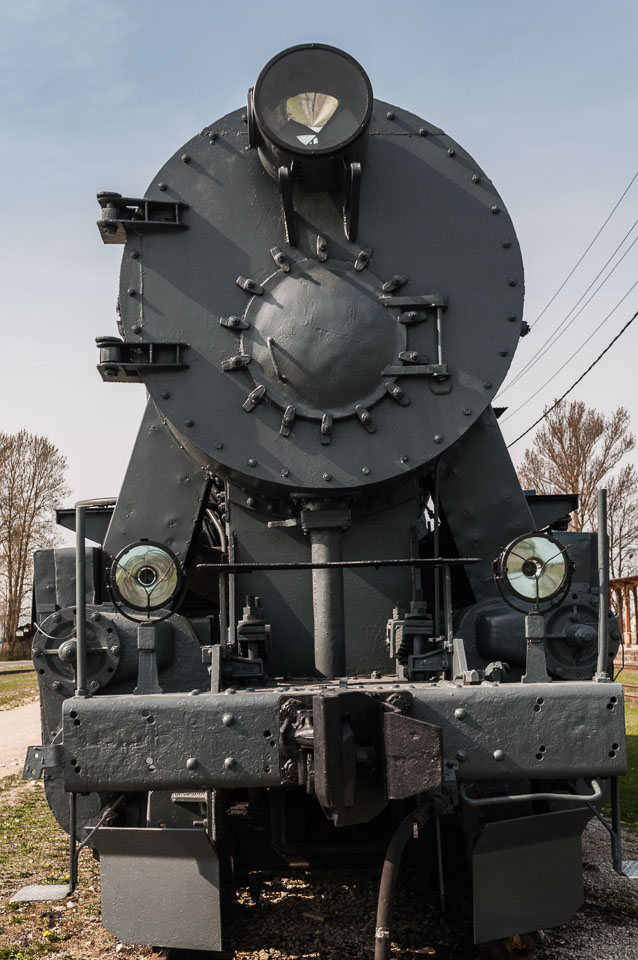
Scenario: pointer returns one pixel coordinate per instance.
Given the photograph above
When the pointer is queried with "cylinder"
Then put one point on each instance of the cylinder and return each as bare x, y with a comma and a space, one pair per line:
603, 584
80, 601
327, 603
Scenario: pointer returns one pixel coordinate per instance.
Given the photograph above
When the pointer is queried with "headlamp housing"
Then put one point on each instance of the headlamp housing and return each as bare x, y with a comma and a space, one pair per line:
146, 578
308, 111
535, 569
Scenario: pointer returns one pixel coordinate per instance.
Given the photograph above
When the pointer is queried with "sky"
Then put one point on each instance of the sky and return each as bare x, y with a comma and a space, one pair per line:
97, 94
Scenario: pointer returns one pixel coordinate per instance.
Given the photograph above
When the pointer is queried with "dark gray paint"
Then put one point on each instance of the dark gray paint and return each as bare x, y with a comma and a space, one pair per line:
160, 886
421, 215
500, 734
163, 493
527, 874
482, 500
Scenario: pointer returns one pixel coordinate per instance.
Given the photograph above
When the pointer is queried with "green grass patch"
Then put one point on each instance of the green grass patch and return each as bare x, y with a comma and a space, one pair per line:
629, 783
16, 689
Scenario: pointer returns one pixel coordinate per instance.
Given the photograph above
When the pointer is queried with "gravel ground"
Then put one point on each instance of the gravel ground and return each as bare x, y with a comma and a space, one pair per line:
323, 915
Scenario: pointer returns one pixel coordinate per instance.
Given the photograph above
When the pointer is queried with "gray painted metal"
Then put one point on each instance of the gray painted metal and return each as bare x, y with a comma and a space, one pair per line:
160, 886
527, 874
491, 731
482, 500
163, 495
169, 292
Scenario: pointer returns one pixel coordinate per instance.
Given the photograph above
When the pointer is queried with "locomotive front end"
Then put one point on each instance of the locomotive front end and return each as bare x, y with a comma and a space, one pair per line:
291, 627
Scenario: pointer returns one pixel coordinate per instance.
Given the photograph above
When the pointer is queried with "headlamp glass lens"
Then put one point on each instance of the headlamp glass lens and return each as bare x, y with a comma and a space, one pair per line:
313, 99
146, 576
535, 568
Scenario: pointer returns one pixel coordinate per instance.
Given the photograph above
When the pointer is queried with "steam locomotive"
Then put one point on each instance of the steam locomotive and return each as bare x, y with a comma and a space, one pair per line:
321, 617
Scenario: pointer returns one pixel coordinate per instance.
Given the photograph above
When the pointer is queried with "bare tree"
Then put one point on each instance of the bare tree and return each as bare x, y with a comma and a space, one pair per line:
622, 507
577, 450
31, 485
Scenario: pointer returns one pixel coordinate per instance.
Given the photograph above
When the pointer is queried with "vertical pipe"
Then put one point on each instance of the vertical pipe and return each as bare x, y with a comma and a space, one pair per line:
327, 603
439, 335
616, 834
80, 601
447, 599
73, 858
437, 554
603, 584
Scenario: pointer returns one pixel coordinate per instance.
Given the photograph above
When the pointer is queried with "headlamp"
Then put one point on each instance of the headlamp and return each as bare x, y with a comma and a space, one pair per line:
145, 577
310, 103
534, 568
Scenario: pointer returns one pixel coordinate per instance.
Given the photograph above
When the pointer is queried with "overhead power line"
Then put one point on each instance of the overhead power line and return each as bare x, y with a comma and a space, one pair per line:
576, 382
586, 251
563, 326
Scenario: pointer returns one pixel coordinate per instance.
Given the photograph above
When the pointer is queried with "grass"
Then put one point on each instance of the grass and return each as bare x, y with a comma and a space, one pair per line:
17, 689
629, 783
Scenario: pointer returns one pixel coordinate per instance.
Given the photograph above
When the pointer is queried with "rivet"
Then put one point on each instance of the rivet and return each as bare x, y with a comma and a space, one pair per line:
476, 178
499, 755
365, 471
188, 423
250, 502
135, 255
423, 132
461, 755
507, 244
230, 763
495, 208
488, 384
390, 114
219, 445
285, 471
460, 713
467, 411
192, 763
56, 685
94, 686
451, 152
512, 318
212, 135
244, 118
228, 719
131, 292
186, 158
512, 282
250, 284
327, 477
502, 353
56, 617
95, 617
404, 458
136, 328
162, 186
252, 462
438, 437
166, 395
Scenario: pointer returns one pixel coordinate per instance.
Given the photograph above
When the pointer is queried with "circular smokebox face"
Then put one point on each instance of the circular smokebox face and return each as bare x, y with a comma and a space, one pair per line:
312, 100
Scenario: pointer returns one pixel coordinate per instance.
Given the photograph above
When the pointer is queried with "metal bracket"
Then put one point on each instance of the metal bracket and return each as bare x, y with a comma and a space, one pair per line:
417, 370
285, 189
234, 363
39, 759
254, 397
122, 214
353, 198
124, 362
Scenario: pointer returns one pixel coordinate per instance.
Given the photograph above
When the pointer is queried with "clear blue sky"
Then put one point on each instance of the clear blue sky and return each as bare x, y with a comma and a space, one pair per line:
96, 94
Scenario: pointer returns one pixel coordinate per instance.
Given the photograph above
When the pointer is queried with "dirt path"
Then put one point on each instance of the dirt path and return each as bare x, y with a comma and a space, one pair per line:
19, 729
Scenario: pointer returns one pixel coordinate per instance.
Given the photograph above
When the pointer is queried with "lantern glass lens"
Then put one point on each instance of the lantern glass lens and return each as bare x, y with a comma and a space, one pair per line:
535, 568
312, 99
146, 576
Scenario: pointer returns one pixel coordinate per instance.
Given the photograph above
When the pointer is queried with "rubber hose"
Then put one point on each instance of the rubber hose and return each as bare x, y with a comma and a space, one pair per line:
389, 876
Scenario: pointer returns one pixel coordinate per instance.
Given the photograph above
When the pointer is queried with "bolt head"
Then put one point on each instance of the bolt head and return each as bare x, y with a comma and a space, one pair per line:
135, 255
161, 186
230, 763
95, 616
467, 411
94, 685
423, 132
115, 650
390, 114
285, 471
438, 437
136, 328
131, 291
250, 284
495, 208
460, 713
166, 395
186, 158
365, 471
327, 477
512, 282
476, 178
188, 423
192, 763
228, 719
507, 244
252, 462
404, 458
451, 152
56, 617
250, 502
56, 685
499, 755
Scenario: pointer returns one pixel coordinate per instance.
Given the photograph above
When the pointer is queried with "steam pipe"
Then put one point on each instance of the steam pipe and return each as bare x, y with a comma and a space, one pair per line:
80, 600
327, 602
